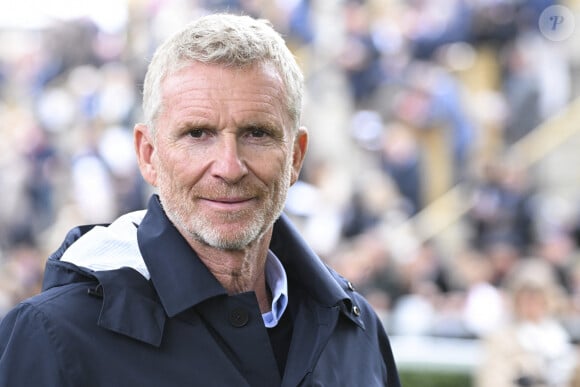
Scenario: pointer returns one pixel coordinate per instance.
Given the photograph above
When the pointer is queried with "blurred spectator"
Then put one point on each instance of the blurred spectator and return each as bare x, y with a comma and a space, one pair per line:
421, 307
534, 349
37, 205
299, 16
401, 160
360, 58
365, 260
20, 275
559, 250
436, 24
483, 308
374, 197
502, 209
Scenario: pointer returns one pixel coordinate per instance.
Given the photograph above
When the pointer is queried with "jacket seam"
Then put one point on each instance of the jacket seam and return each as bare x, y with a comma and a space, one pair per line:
52, 336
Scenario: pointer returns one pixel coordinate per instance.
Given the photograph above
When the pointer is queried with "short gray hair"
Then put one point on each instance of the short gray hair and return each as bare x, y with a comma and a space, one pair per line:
229, 40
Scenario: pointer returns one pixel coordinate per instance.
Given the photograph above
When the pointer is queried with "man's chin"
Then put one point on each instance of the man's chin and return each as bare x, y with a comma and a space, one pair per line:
226, 244
228, 239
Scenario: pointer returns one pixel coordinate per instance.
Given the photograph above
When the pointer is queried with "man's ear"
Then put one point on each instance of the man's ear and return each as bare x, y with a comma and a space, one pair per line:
299, 152
145, 149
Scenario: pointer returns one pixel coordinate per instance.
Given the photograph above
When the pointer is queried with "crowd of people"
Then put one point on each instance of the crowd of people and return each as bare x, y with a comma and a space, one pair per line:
404, 100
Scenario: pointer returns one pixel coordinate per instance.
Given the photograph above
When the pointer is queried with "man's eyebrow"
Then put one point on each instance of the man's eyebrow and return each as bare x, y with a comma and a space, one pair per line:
259, 125
198, 124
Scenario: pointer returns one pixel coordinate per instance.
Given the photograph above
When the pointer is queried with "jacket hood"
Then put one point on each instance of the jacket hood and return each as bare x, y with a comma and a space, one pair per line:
109, 247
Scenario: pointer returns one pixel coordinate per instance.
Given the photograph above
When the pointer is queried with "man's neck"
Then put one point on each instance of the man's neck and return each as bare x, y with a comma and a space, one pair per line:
239, 271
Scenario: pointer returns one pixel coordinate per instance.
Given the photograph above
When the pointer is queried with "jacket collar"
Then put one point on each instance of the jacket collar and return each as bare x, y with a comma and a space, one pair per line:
307, 271
304, 267
178, 275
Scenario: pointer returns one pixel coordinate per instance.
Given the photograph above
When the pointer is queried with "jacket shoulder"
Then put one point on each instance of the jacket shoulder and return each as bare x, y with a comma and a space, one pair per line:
30, 340
67, 304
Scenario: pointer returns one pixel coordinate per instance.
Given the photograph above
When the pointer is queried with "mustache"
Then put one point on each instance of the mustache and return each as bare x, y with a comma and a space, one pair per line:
237, 190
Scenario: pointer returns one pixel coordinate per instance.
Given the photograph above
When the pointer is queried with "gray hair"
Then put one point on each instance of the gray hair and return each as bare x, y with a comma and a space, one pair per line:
229, 40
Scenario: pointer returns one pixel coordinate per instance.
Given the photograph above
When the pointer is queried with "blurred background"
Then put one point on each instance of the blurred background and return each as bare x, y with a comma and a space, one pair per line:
442, 176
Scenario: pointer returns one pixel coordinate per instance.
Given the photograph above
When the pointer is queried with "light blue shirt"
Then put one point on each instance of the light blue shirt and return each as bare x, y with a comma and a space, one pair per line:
278, 284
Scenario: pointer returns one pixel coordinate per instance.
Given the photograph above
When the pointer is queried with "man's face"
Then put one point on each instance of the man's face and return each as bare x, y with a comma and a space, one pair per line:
223, 153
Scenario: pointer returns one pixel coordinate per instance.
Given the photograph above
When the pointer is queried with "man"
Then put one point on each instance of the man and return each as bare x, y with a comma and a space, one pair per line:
211, 285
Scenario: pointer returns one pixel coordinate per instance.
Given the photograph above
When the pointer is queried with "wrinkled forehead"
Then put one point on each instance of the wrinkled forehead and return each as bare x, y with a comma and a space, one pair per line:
195, 69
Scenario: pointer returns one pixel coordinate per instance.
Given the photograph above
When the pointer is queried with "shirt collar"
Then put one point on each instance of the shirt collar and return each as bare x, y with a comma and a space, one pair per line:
278, 284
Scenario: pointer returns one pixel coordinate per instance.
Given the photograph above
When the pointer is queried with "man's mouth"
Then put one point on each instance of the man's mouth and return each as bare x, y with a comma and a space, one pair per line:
229, 203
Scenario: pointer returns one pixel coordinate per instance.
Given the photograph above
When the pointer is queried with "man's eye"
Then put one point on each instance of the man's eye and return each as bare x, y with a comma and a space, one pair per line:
196, 133
258, 133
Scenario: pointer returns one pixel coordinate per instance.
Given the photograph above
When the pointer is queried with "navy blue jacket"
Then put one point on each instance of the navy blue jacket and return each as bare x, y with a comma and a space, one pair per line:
180, 328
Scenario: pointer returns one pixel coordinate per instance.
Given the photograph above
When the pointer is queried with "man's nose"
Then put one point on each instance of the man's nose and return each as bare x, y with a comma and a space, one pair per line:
229, 163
